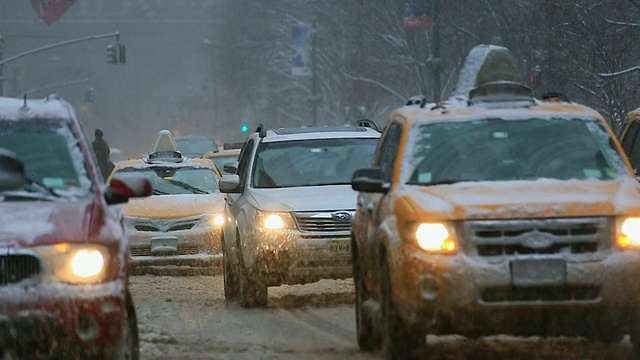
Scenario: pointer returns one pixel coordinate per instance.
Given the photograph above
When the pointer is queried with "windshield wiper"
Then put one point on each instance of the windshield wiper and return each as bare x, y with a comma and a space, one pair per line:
193, 189
41, 187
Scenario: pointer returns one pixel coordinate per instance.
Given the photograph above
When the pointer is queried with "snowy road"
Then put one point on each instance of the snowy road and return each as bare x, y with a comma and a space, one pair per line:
187, 318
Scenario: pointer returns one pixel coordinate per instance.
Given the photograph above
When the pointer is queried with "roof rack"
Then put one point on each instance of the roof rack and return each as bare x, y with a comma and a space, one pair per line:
368, 124
261, 130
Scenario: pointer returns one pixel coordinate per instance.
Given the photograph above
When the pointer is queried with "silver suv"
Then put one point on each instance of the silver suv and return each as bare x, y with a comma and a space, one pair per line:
289, 207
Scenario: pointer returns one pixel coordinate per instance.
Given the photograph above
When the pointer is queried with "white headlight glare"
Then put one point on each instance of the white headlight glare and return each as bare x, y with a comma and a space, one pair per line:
75, 263
274, 221
435, 237
629, 233
217, 220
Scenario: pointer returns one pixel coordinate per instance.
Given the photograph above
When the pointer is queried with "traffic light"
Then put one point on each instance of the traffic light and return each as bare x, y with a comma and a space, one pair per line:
122, 54
90, 95
244, 128
112, 57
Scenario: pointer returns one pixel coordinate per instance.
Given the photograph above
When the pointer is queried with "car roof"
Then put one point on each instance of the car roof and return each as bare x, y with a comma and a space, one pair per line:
224, 152
320, 132
51, 107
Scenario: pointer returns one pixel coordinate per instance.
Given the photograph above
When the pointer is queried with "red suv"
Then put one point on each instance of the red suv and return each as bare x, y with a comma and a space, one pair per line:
63, 249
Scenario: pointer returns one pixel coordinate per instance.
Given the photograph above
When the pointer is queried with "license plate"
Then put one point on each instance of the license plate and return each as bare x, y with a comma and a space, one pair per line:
166, 245
339, 248
538, 272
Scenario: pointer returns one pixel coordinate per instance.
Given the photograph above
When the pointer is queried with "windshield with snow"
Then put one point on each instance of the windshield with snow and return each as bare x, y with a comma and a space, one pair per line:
178, 180
495, 149
53, 163
311, 162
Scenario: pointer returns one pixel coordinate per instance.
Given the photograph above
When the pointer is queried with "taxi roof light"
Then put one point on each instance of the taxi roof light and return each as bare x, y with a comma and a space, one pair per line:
164, 149
491, 74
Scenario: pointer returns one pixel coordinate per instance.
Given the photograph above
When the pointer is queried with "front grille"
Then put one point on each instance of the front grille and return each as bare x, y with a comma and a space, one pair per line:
182, 250
324, 221
15, 268
163, 225
539, 236
540, 293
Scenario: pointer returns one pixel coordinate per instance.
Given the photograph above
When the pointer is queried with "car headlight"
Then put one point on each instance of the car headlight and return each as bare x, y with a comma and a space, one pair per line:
215, 220
75, 263
274, 220
629, 233
435, 237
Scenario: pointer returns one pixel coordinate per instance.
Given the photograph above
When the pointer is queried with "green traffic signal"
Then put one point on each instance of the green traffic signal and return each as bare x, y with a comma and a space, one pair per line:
244, 128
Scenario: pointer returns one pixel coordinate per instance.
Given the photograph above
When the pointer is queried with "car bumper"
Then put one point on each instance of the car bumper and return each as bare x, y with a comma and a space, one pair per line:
459, 294
295, 257
61, 319
195, 247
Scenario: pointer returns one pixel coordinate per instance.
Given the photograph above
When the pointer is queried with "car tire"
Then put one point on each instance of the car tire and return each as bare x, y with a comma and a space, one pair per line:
231, 287
368, 337
129, 344
399, 342
252, 292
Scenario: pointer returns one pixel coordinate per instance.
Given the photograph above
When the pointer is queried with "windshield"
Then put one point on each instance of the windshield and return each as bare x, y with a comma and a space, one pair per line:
196, 145
311, 162
51, 156
178, 180
495, 149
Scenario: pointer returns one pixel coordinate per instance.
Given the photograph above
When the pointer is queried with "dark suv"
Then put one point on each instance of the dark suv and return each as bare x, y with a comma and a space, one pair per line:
63, 249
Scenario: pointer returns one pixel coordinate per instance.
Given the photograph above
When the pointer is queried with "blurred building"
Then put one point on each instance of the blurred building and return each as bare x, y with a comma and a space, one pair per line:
166, 82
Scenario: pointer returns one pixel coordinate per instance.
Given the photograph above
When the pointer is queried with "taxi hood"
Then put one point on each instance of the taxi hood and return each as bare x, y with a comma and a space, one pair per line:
309, 198
525, 199
24, 224
174, 206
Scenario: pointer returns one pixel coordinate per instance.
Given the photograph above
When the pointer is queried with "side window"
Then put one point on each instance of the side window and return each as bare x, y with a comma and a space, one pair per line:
244, 160
388, 150
631, 144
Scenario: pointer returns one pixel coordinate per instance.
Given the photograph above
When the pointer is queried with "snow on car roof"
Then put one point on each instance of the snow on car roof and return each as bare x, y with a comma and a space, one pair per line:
320, 132
51, 107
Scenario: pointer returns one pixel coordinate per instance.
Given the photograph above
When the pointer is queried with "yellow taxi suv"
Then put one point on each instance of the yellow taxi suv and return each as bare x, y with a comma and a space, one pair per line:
495, 212
178, 227
223, 157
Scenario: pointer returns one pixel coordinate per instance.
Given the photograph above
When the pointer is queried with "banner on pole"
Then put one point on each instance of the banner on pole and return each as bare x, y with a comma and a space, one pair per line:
51, 10
301, 44
416, 17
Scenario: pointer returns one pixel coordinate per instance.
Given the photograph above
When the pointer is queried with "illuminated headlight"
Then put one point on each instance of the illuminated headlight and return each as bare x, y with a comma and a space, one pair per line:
435, 237
74, 263
274, 220
629, 234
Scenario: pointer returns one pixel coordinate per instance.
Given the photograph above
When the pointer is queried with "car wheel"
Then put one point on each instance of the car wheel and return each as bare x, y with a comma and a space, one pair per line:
129, 344
368, 337
252, 292
398, 340
230, 277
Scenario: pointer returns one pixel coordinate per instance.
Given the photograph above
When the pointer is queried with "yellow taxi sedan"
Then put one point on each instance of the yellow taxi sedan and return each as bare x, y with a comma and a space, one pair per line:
222, 157
179, 225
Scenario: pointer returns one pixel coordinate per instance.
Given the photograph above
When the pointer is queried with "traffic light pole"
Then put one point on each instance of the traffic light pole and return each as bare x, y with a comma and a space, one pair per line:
48, 47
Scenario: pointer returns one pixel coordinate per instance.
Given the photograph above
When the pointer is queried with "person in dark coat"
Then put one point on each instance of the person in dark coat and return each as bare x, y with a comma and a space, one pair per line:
102, 151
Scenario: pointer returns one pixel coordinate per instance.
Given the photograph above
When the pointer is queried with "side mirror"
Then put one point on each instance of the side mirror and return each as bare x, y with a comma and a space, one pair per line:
231, 167
369, 180
230, 184
125, 186
12, 175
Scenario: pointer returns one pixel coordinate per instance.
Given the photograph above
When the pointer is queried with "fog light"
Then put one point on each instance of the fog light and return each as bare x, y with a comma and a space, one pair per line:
428, 288
87, 328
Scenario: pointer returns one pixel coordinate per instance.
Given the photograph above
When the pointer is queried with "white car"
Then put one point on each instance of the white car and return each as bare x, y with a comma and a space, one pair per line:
289, 207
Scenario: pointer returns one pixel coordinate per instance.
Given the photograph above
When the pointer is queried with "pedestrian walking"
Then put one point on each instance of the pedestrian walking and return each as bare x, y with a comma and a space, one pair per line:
102, 151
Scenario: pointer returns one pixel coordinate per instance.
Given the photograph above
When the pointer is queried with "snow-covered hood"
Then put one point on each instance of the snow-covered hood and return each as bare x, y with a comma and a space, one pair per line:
28, 223
525, 199
174, 206
311, 198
